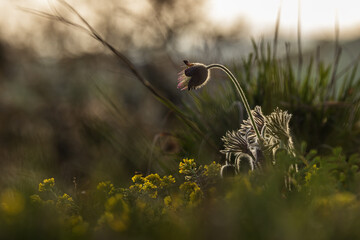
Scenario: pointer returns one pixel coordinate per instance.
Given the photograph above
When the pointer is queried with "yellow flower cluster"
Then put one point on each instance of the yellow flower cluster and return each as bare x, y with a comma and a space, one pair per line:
65, 203
167, 181
187, 166
151, 184
147, 196
137, 178
47, 185
154, 179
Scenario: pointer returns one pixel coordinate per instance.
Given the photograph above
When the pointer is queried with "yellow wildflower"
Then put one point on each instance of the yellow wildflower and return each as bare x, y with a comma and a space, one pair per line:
187, 166
65, 203
154, 179
150, 188
167, 180
151, 184
137, 178
46, 185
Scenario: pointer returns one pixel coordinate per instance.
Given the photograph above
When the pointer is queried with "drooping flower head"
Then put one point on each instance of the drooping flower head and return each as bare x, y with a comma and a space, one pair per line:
194, 76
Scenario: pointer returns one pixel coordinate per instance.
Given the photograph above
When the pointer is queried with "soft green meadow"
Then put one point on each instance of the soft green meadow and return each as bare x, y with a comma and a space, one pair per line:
269, 150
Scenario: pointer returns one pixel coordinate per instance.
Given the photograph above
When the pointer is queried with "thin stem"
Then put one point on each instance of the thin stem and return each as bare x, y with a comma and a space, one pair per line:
242, 95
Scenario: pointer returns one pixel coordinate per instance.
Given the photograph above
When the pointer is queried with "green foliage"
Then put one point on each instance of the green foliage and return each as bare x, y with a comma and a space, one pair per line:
323, 198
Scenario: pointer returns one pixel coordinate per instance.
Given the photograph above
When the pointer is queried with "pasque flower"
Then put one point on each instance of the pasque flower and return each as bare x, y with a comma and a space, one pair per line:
193, 77
259, 136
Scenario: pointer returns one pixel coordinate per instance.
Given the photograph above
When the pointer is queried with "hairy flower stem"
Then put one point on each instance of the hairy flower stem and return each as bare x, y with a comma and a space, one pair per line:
242, 95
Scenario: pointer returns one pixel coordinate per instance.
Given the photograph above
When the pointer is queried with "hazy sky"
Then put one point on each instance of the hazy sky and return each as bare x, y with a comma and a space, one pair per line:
318, 17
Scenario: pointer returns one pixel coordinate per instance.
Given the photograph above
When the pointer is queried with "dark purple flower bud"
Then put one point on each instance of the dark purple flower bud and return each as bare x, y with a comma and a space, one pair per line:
193, 77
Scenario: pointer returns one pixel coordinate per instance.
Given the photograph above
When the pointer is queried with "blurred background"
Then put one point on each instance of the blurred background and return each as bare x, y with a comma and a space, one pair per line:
69, 108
